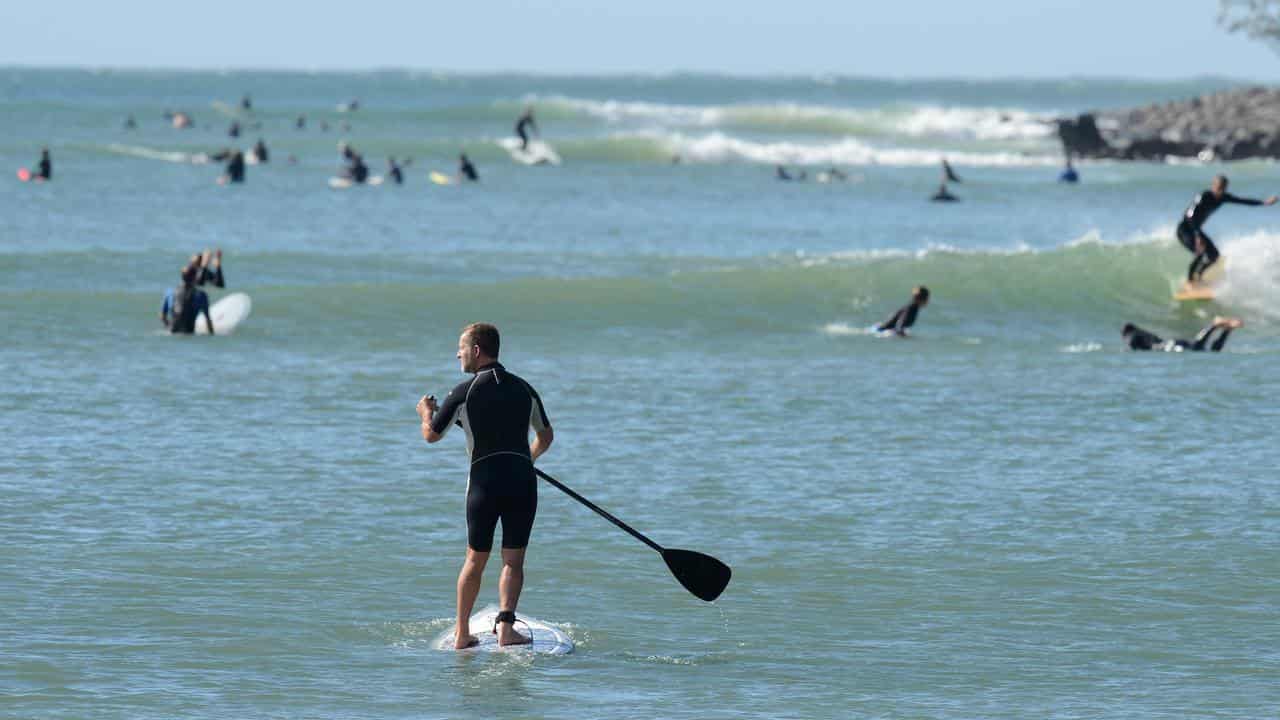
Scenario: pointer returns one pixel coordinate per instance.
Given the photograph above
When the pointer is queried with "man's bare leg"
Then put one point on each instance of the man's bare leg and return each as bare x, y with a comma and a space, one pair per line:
510, 583
468, 588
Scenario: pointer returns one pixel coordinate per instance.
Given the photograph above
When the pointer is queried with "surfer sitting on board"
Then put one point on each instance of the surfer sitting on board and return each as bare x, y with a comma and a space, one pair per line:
44, 168
1190, 230
1138, 339
183, 304
355, 169
495, 409
525, 121
235, 169
394, 171
905, 317
260, 153
466, 170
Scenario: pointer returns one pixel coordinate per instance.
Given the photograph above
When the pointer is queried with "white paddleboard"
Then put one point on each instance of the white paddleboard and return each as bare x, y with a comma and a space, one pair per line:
537, 153
547, 639
227, 313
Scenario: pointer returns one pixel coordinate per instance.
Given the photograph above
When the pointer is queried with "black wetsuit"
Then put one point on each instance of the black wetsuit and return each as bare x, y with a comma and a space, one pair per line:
1193, 220
357, 170
496, 409
901, 320
468, 171
1139, 339
525, 120
260, 152
235, 168
397, 176
214, 277
44, 168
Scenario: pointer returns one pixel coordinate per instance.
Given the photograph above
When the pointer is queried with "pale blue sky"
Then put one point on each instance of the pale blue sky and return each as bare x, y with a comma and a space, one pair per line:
979, 38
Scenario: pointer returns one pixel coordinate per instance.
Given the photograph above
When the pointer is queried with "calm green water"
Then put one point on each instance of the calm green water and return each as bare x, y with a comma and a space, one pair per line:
1007, 516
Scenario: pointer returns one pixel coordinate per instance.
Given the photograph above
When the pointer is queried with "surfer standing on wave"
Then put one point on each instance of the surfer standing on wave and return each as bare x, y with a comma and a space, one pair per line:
905, 317
496, 409
1191, 232
1138, 339
522, 123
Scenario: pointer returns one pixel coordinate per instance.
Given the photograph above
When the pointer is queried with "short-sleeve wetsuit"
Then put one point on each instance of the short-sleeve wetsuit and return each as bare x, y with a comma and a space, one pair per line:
496, 409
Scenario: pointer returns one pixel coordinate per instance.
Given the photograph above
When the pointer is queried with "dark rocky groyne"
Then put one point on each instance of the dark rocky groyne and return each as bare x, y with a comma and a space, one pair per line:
1232, 125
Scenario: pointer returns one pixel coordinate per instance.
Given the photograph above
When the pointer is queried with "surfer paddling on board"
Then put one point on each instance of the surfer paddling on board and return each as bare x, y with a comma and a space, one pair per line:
525, 121
1191, 232
905, 317
183, 304
496, 409
1138, 339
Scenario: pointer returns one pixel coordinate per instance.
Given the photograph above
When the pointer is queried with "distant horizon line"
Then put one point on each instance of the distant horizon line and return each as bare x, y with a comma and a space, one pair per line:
816, 76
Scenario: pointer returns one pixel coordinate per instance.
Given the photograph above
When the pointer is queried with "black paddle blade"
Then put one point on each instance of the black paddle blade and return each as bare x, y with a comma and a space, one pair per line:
702, 575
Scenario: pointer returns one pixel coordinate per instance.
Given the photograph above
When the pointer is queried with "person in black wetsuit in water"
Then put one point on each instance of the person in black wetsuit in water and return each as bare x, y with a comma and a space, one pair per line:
1191, 232
235, 169
44, 168
466, 170
1138, 339
525, 121
906, 315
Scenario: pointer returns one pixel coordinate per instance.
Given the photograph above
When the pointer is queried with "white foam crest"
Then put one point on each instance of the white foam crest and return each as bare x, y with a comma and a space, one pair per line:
1162, 234
1084, 347
841, 329
152, 154
980, 123
977, 123
718, 147
1252, 273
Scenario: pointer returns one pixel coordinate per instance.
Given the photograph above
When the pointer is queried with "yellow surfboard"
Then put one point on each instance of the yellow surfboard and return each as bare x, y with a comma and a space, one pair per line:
1190, 292
440, 178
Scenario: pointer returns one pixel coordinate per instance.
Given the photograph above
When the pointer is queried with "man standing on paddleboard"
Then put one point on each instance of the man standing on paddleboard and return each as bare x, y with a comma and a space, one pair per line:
496, 409
1192, 235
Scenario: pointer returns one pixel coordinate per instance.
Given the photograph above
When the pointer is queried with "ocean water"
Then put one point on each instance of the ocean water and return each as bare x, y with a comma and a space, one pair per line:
1006, 516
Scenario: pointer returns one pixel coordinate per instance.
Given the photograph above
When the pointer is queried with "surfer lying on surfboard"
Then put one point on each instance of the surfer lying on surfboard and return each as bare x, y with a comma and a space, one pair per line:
1191, 232
1138, 339
496, 409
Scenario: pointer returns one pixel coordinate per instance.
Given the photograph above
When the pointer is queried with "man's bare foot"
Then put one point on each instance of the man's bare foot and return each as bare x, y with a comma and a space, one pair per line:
507, 635
462, 642
1227, 322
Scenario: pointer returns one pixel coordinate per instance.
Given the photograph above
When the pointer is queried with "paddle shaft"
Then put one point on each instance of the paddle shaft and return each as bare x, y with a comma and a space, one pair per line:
603, 513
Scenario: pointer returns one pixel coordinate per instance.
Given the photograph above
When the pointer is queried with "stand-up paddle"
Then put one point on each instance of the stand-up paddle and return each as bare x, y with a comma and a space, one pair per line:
702, 575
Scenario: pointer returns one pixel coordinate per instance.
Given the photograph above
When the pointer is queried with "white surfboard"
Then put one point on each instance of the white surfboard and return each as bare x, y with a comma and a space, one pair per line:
537, 153
227, 313
440, 178
342, 183
547, 639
